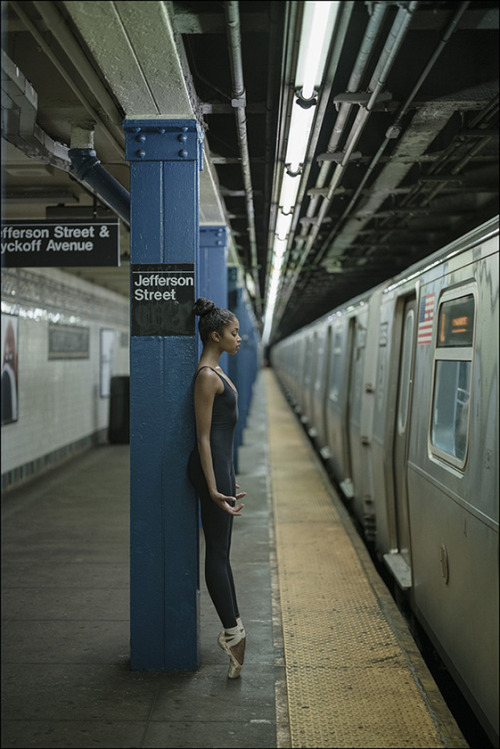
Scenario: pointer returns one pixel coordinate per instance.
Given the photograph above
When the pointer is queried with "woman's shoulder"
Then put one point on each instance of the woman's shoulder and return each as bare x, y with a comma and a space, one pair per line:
204, 371
207, 377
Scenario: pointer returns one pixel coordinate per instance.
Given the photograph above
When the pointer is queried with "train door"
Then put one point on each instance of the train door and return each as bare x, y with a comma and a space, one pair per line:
324, 447
305, 381
340, 337
311, 388
402, 430
351, 420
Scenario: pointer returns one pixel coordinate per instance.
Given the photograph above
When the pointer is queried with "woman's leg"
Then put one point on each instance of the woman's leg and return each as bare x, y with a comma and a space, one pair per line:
217, 528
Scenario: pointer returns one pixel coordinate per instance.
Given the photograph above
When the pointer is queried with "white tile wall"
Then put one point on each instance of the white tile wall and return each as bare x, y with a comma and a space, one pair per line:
59, 400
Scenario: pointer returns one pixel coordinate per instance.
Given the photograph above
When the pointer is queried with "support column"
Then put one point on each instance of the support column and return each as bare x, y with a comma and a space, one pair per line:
212, 269
213, 264
242, 368
165, 158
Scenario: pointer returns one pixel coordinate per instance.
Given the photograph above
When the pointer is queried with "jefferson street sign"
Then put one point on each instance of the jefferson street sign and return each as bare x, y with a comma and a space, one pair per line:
42, 244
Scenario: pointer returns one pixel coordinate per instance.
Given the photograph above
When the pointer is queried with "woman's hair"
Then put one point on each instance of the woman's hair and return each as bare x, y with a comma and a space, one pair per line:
212, 318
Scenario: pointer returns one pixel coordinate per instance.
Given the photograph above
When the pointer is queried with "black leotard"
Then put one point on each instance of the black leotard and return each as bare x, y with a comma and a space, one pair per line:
217, 524
224, 419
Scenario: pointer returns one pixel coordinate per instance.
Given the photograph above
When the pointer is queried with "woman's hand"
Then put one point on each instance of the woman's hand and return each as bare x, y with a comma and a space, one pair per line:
223, 501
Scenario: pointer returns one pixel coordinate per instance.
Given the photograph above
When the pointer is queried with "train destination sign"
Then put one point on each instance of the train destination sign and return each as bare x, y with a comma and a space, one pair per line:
41, 244
162, 299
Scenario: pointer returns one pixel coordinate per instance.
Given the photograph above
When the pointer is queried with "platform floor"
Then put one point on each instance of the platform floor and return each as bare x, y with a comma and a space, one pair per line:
329, 663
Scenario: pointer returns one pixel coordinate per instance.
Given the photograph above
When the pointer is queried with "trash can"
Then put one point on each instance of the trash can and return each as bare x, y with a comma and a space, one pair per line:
119, 410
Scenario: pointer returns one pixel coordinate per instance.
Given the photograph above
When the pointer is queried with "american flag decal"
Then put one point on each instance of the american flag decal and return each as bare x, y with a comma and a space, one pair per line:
425, 319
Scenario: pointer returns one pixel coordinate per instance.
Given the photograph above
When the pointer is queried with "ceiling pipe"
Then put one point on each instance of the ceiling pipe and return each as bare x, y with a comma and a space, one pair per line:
87, 168
324, 99
291, 35
238, 102
20, 128
290, 60
379, 77
369, 40
378, 80
396, 124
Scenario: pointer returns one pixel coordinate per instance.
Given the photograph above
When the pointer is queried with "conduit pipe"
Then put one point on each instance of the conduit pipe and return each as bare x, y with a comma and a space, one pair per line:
87, 168
21, 129
378, 80
239, 103
391, 48
368, 42
371, 35
404, 109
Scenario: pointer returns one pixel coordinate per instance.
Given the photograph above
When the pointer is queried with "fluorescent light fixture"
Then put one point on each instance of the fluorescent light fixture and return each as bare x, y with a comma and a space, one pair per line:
317, 29
283, 224
278, 255
288, 195
298, 136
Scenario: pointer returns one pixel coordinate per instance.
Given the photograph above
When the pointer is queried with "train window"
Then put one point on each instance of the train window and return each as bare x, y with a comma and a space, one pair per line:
405, 374
451, 407
452, 379
336, 366
456, 322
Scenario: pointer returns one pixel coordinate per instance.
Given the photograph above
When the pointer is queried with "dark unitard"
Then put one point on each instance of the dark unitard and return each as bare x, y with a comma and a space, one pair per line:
218, 524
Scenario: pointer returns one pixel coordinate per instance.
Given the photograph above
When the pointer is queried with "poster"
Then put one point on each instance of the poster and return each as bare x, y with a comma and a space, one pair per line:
10, 346
106, 361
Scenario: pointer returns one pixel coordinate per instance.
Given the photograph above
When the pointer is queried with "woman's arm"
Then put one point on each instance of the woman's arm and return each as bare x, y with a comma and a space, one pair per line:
206, 388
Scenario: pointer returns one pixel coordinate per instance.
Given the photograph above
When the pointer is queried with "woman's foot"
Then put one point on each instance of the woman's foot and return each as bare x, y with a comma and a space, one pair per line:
233, 642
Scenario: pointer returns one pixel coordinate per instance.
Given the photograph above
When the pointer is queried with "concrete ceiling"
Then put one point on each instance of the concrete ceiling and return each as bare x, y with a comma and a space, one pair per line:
403, 157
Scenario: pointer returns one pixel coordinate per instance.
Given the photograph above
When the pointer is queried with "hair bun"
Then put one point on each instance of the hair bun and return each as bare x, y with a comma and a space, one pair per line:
203, 306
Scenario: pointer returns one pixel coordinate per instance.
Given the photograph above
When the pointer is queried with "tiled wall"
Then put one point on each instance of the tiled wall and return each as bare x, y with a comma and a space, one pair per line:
61, 407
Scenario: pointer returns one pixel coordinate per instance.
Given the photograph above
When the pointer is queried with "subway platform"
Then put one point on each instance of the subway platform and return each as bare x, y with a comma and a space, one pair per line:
329, 662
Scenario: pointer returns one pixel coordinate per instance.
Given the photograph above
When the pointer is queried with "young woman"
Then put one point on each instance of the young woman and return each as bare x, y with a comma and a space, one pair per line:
211, 469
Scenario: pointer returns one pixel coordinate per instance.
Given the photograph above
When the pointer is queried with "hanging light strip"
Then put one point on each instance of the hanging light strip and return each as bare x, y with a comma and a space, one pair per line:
317, 29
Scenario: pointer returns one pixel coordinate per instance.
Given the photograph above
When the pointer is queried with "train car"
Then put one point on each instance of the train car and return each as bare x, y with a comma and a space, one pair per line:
402, 403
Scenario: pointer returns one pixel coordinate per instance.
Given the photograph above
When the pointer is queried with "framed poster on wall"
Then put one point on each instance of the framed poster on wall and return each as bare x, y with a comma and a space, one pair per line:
10, 346
68, 341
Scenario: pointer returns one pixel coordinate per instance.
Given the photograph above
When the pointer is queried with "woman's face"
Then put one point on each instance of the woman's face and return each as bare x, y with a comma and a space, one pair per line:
231, 339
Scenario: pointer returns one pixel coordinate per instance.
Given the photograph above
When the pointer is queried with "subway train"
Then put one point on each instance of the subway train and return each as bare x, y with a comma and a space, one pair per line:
398, 389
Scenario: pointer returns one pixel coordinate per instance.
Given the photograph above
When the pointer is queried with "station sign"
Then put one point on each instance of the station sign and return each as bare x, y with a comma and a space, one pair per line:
59, 244
162, 299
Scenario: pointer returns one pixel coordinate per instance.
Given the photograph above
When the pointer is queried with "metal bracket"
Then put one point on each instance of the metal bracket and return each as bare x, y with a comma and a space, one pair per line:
338, 156
163, 140
306, 103
361, 98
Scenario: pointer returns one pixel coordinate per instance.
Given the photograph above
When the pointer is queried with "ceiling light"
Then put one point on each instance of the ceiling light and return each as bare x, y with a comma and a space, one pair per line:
298, 137
316, 33
317, 28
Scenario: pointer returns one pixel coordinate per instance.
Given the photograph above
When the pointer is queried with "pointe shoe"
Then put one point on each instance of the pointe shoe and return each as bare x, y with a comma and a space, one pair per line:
222, 636
236, 655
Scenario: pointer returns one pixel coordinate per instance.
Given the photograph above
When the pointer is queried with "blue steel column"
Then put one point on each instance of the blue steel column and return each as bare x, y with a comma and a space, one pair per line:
243, 368
212, 269
165, 159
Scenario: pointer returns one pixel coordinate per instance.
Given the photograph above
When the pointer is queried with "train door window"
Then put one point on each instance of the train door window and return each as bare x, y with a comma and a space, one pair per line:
336, 366
452, 378
405, 375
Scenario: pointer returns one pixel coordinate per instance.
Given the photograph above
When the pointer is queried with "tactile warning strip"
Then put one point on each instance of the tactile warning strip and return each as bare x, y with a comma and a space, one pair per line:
348, 680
